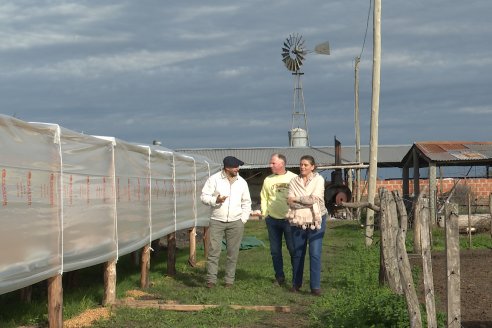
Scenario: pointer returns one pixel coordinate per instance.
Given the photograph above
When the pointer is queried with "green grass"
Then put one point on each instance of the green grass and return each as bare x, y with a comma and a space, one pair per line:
351, 297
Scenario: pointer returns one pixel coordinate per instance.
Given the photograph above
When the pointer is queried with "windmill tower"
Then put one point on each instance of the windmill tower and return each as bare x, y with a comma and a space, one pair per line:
293, 54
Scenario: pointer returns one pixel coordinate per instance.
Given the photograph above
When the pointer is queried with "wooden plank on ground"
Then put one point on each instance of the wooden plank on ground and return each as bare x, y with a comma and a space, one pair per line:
159, 304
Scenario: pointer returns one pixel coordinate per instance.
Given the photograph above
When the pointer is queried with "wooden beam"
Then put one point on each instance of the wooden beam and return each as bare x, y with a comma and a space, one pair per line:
55, 301
430, 303
157, 304
432, 192
145, 267
373, 207
192, 238
109, 296
453, 266
171, 254
490, 210
413, 306
344, 166
416, 174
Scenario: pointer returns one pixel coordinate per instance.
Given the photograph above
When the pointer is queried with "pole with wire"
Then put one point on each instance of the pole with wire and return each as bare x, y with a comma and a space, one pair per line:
373, 149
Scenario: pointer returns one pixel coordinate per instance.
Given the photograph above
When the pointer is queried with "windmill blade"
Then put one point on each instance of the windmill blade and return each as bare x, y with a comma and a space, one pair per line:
298, 64
301, 44
290, 41
322, 48
285, 50
296, 67
292, 65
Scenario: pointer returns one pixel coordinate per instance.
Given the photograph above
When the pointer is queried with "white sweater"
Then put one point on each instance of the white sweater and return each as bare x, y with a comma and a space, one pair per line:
237, 205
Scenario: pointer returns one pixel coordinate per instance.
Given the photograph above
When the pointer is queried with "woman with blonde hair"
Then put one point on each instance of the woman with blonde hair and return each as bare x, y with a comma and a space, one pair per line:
307, 216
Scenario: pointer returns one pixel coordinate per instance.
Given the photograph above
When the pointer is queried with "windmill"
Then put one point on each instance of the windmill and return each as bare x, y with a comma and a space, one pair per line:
293, 55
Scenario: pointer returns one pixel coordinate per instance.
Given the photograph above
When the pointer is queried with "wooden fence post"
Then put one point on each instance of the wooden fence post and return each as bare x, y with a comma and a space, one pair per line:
192, 238
145, 267
55, 301
430, 303
490, 210
453, 265
402, 213
469, 221
171, 254
109, 296
389, 230
417, 247
26, 294
413, 306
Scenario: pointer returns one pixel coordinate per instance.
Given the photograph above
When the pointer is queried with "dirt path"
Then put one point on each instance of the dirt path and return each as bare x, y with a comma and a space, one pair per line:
476, 285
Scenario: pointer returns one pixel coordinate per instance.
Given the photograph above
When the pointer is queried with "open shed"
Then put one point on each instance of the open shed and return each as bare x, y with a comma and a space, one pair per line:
436, 154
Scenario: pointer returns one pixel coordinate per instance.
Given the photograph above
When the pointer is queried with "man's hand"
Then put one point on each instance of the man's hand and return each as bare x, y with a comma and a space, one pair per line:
220, 199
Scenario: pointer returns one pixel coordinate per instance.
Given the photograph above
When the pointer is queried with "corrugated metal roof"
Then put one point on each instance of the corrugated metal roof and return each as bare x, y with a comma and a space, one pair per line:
259, 157
455, 151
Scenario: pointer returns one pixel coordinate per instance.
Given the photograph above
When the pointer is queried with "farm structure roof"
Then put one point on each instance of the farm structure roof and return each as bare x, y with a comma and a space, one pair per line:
259, 157
450, 153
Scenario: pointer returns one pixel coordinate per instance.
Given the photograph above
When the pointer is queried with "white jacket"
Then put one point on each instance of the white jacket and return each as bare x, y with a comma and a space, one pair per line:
237, 205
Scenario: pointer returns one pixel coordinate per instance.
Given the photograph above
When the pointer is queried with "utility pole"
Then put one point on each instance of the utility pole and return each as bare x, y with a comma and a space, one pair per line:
373, 150
357, 137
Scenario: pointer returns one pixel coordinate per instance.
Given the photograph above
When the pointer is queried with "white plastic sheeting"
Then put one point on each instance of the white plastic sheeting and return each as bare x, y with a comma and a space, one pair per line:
71, 200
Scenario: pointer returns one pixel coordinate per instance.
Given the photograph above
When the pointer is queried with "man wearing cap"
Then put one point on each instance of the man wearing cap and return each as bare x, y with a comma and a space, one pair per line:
228, 195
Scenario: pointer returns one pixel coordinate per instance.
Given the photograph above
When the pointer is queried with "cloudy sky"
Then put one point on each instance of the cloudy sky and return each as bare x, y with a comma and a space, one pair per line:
200, 74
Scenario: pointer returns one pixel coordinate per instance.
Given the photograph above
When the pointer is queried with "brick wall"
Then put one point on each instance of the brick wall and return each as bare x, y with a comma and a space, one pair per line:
481, 188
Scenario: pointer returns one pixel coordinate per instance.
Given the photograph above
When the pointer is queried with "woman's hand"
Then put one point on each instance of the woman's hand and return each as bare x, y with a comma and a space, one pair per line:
291, 201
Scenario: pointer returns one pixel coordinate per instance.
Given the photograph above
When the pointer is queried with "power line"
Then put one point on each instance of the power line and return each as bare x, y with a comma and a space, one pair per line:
367, 27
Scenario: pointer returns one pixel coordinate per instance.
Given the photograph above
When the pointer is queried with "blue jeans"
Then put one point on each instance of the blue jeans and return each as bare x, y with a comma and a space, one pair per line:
301, 239
276, 229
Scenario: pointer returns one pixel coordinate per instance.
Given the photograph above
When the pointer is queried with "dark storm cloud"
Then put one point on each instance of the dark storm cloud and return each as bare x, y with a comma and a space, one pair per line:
191, 73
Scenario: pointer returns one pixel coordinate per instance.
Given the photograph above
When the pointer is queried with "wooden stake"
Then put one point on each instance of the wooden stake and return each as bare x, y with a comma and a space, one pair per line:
357, 136
55, 301
430, 302
145, 267
171, 254
453, 266
469, 222
109, 283
192, 237
490, 210
26, 294
389, 231
404, 267
373, 151
417, 227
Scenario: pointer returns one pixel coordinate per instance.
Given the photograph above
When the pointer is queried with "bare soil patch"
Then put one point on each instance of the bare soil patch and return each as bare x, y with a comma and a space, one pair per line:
475, 285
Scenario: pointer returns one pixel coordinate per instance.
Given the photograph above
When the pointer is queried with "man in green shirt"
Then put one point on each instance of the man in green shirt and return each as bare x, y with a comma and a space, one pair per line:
274, 208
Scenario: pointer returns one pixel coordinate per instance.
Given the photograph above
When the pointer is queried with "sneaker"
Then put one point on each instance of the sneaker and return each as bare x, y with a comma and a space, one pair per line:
316, 292
228, 285
210, 285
